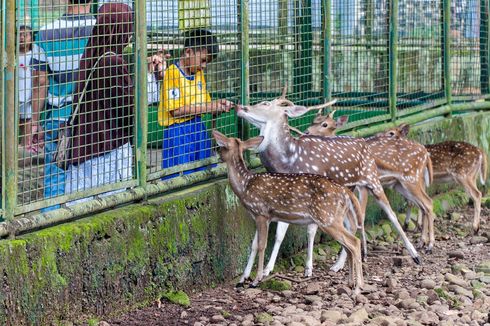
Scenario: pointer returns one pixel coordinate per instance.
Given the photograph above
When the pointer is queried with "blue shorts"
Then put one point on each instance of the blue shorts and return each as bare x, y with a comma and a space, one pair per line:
185, 142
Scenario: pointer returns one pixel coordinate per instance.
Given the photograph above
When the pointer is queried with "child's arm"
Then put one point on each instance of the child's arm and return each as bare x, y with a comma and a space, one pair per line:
214, 107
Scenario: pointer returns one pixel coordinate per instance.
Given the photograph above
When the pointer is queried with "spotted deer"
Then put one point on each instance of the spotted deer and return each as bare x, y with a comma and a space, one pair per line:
402, 164
345, 160
458, 162
290, 198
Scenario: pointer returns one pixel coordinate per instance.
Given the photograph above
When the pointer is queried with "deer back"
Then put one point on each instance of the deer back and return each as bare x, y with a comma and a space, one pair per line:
398, 157
454, 157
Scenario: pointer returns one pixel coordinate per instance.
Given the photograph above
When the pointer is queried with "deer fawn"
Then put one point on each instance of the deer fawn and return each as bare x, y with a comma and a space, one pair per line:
290, 198
459, 162
345, 160
402, 164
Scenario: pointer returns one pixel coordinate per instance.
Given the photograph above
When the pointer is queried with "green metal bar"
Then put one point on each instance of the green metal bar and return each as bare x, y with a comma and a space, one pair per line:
327, 48
446, 50
141, 98
244, 33
393, 57
9, 138
2, 105
484, 46
302, 80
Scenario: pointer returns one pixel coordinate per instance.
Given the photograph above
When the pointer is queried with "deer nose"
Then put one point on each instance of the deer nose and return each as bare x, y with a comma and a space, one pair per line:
241, 107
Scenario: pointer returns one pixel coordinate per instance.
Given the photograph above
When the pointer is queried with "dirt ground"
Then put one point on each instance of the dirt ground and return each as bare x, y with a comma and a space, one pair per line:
451, 287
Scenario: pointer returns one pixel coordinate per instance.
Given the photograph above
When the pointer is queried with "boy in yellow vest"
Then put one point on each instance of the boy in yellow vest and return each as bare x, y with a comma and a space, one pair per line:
184, 99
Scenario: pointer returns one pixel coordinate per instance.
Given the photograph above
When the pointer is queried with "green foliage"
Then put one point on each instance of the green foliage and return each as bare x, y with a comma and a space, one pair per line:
177, 297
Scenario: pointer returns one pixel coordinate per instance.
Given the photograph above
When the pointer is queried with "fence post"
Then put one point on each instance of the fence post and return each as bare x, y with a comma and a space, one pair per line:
393, 57
484, 47
141, 98
326, 36
243, 37
9, 137
446, 49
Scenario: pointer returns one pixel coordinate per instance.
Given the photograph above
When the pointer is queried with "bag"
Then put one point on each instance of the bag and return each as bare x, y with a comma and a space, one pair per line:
62, 154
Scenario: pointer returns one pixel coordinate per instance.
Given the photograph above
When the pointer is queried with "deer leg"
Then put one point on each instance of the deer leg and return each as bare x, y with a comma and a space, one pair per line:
469, 184
250, 263
311, 230
340, 263
363, 199
281, 230
353, 247
385, 205
262, 224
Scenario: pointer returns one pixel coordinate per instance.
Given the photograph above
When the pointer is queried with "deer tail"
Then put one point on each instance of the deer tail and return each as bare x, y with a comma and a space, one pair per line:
428, 172
355, 209
483, 168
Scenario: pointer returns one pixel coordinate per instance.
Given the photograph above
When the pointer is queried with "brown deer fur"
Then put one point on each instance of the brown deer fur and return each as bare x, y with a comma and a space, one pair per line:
291, 198
345, 160
402, 164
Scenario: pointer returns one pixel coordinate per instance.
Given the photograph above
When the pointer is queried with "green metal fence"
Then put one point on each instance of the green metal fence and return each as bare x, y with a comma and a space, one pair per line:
383, 61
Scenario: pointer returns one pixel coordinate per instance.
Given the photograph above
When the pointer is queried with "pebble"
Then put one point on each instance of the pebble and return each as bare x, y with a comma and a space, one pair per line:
428, 284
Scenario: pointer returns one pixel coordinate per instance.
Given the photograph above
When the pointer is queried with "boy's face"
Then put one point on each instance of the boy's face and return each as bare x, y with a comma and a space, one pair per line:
25, 40
196, 60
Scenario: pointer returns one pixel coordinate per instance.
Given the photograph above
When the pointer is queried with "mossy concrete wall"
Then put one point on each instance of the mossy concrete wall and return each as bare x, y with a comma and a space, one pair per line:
112, 261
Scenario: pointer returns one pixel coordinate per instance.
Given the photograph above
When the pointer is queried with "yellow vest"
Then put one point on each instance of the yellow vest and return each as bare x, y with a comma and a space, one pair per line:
178, 90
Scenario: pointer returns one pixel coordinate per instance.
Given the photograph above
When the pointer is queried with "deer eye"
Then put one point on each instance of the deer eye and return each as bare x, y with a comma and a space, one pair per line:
324, 125
267, 103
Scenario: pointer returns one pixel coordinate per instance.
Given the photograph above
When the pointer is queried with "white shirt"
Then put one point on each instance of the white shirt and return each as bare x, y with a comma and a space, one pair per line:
25, 77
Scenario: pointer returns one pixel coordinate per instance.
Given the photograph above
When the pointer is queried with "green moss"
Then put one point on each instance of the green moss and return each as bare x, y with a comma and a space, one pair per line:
275, 285
177, 297
93, 322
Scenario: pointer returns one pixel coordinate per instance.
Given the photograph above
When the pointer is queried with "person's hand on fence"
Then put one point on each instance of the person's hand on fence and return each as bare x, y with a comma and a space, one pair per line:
157, 63
36, 137
221, 106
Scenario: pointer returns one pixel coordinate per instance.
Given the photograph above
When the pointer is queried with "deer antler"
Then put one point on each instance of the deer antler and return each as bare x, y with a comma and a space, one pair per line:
331, 114
322, 106
284, 90
299, 132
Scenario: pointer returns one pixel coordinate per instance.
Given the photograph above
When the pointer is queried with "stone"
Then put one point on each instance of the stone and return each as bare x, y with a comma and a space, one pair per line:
409, 303
287, 293
331, 315
478, 239
483, 267
456, 254
384, 321
217, 318
313, 288
184, 314
460, 290
368, 288
252, 293
485, 279
344, 290
361, 299
453, 279
432, 297
402, 294
309, 299
425, 318
263, 317
456, 268
468, 274
428, 284
103, 323
358, 316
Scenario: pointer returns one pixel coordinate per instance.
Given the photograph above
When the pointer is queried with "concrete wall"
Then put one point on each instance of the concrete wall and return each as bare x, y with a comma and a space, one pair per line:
115, 260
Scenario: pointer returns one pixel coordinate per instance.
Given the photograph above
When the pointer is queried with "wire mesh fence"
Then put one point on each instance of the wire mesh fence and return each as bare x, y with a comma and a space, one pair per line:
379, 59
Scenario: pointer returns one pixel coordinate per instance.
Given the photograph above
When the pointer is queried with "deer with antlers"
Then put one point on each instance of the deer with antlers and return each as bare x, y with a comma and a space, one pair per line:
458, 162
345, 160
402, 164
291, 198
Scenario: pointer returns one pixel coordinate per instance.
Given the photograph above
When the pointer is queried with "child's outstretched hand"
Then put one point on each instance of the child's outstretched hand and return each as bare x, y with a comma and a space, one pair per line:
223, 105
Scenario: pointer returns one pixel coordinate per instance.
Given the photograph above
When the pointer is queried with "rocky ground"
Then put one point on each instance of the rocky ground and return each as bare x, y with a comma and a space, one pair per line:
451, 287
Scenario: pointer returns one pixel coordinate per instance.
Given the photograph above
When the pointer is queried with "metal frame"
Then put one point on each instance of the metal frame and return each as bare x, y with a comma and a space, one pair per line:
147, 183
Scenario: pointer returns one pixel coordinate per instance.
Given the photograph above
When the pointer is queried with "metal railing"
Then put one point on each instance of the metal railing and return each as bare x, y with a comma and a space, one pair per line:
383, 60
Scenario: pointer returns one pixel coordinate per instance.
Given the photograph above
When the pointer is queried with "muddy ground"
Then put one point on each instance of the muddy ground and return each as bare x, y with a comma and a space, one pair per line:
451, 287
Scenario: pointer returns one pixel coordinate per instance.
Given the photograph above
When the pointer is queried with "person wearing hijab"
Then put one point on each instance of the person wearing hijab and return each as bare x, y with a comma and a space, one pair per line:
102, 150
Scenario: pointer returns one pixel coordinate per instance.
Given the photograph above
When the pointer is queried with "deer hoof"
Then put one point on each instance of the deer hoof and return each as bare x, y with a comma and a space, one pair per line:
239, 285
417, 260
476, 230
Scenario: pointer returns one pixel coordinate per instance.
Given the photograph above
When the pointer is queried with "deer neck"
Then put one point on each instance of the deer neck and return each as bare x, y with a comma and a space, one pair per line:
277, 149
238, 174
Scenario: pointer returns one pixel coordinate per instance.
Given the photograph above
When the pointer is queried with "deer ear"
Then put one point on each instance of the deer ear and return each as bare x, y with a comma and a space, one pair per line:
221, 139
296, 111
252, 142
341, 121
404, 129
